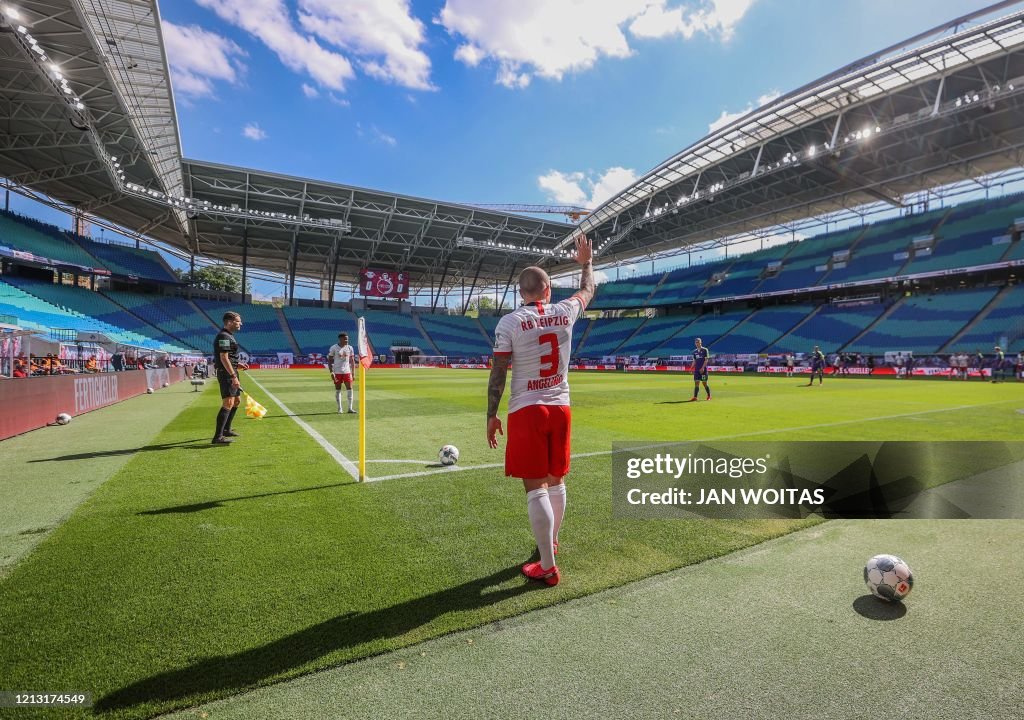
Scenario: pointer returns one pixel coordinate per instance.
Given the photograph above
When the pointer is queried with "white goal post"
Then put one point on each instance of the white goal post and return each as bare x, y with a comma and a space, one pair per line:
426, 361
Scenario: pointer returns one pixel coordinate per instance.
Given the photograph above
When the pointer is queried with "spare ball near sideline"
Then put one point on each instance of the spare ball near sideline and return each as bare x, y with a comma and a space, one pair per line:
166, 384
888, 577
63, 419
149, 391
448, 455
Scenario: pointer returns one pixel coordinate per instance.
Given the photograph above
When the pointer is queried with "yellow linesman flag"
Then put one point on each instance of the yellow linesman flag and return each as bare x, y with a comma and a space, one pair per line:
253, 409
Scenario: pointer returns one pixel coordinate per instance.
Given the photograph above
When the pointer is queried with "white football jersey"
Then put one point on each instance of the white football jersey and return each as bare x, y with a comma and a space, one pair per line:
539, 337
342, 359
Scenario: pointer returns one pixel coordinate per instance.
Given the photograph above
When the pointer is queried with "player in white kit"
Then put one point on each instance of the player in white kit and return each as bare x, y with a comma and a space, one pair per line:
536, 340
340, 359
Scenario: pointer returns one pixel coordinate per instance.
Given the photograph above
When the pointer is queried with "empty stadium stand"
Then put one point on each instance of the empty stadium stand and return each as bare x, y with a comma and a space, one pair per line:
456, 336
316, 329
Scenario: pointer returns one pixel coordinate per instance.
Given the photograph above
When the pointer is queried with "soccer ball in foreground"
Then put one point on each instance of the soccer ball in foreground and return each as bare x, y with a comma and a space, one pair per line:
448, 455
63, 419
888, 577
149, 391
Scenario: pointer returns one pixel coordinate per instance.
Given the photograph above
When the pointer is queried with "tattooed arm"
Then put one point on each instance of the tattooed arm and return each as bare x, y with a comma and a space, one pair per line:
495, 389
584, 253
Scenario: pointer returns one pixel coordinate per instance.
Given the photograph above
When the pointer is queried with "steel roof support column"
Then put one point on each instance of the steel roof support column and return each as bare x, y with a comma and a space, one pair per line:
440, 285
334, 279
291, 269
245, 260
505, 294
466, 301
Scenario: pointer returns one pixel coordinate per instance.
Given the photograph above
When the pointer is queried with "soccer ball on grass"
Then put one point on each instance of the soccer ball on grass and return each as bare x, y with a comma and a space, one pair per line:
63, 419
448, 455
888, 577
149, 391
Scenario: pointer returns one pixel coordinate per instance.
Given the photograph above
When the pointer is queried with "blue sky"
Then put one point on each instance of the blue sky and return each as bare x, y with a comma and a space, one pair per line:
525, 101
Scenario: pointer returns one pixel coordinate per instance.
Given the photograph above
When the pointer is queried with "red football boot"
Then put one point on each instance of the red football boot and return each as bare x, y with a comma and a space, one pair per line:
534, 571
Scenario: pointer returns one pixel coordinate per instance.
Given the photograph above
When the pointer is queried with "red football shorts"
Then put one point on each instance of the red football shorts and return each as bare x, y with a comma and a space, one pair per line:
538, 442
342, 378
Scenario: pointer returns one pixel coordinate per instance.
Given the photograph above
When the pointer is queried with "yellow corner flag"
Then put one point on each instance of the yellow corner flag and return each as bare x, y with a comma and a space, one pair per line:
365, 360
253, 409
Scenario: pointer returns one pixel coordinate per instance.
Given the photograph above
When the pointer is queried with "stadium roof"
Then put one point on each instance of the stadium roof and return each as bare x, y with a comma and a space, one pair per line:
904, 120
84, 81
91, 122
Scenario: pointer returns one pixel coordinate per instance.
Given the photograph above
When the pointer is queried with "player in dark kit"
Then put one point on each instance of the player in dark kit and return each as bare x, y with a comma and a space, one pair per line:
225, 360
700, 370
817, 365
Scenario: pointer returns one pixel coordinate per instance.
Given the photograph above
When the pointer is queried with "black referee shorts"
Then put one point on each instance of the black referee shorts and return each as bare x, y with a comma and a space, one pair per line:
226, 391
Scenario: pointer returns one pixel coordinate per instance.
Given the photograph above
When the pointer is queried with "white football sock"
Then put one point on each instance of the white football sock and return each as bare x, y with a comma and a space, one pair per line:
350, 406
542, 521
337, 398
556, 494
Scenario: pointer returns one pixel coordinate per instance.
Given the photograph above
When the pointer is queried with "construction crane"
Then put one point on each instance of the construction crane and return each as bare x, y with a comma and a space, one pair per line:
572, 212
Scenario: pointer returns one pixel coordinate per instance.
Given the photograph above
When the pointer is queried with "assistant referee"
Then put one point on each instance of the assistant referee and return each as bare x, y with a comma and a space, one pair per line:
225, 359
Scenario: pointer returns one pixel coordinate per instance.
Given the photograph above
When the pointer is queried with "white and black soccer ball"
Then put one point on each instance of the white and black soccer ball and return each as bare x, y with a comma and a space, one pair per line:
63, 419
888, 577
448, 455
165, 384
149, 391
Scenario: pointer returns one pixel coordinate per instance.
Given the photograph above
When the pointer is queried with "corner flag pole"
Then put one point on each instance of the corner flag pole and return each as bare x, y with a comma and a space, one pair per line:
365, 358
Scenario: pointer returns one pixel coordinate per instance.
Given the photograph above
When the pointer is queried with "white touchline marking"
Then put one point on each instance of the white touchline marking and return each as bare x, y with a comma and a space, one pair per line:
334, 452
707, 439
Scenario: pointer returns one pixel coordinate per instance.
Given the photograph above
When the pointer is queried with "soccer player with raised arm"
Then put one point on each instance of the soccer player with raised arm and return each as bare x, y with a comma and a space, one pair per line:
340, 359
817, 365
700, 369
536, 341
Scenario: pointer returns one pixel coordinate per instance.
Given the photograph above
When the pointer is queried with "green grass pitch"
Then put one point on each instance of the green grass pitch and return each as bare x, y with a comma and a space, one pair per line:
197, 572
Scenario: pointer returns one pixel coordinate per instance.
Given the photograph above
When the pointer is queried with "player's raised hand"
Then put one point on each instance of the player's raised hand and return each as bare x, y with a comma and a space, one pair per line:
493, 429
584, 250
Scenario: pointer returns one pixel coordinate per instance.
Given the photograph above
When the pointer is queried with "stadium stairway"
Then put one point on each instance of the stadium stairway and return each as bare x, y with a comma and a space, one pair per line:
889, 311
796, 327
992, 304
287, 330
733, 329
128, 309
582, 341
423, 331
633, 334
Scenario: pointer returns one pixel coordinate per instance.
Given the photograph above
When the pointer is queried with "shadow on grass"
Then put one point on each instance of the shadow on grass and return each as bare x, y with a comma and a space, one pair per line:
231, 673
190, 444
875, 609
675, 402
211, 504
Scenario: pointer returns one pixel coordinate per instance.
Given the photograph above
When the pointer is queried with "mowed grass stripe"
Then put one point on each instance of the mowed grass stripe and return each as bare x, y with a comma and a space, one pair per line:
199, 572
783, 630
49, 471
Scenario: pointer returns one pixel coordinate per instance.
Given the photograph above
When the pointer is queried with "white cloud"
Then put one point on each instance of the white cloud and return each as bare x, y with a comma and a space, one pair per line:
563, 188
198, 57
271, 22
383, 33
579, 189
551, 38
714, 17
727, 117
376, 135
253, 131
310, 91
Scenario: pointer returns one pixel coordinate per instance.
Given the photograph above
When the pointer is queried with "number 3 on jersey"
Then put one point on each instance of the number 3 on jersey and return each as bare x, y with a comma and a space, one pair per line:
549, 362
